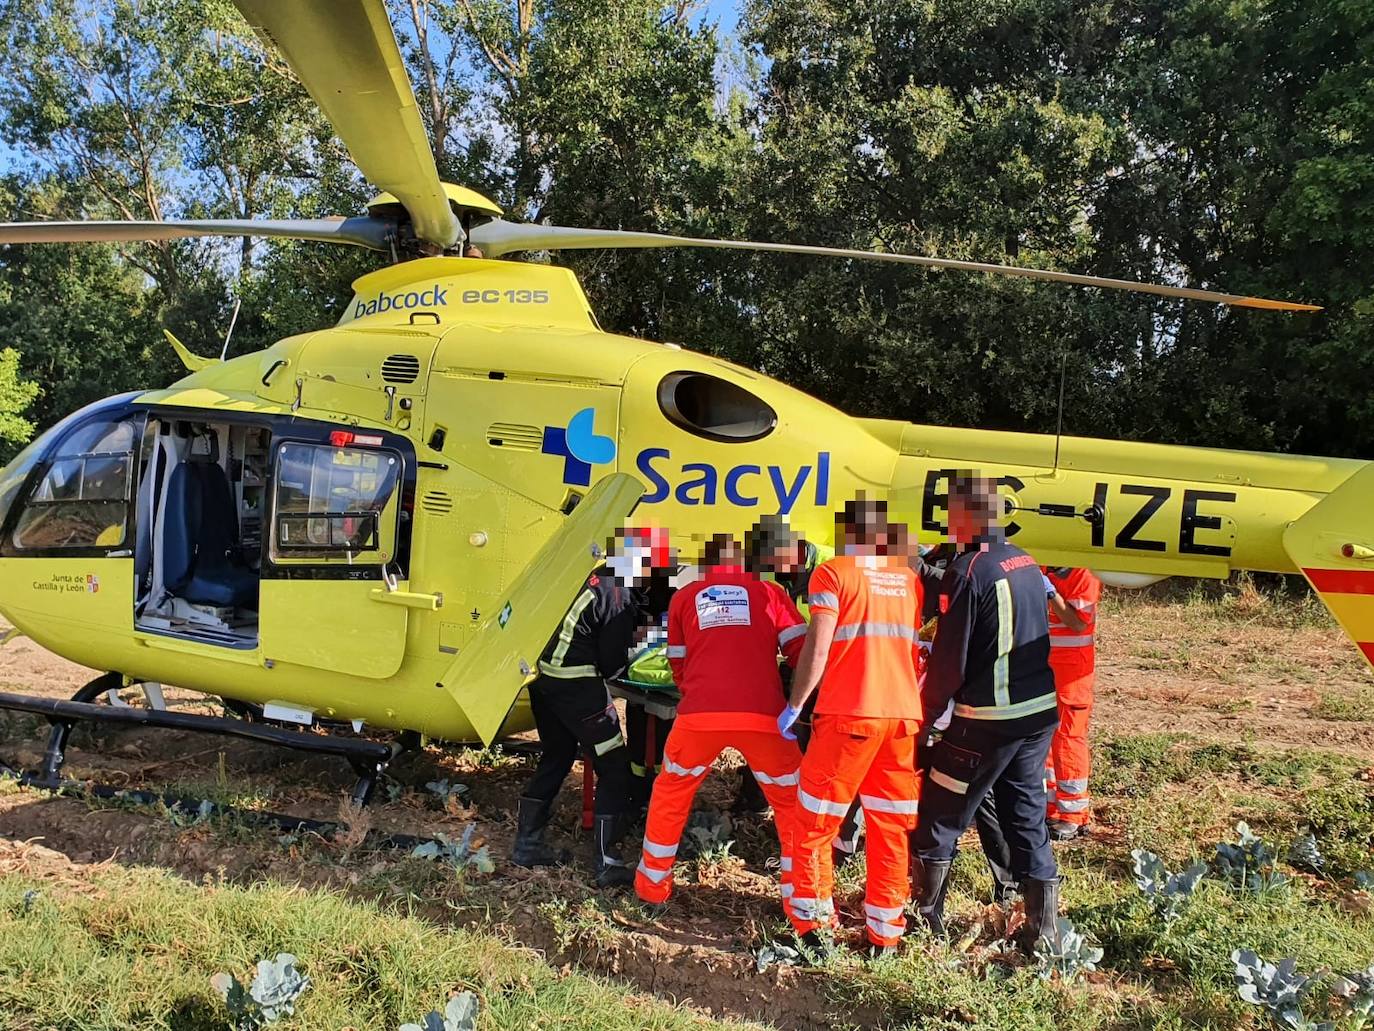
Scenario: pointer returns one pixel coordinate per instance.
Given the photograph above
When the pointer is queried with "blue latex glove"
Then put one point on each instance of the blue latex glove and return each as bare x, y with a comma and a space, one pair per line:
1050, 589
786, 718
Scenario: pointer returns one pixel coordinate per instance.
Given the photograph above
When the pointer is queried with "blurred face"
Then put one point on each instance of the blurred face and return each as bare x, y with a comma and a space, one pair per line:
783, 559
974, 514
630, 564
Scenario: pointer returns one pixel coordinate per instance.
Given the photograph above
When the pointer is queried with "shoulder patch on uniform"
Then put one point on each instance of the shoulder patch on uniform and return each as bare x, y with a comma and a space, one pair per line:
593, 580
944, 604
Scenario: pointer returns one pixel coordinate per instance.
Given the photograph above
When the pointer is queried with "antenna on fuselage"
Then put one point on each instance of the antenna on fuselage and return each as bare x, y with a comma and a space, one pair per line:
1059, 420
233, 320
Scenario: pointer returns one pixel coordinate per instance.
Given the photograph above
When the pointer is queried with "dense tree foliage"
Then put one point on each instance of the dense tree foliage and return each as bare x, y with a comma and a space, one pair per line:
1224, 143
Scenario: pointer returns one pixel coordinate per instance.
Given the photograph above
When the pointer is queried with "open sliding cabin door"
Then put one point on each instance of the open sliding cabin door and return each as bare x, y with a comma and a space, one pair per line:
337, 551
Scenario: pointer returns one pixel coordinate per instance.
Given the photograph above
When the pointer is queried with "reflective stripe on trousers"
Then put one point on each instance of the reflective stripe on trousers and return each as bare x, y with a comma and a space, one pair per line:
658, 851
682, 771
823, 806
786, 780
813, 910
656, 876
901, 806
959, 787
884, 921
609, 745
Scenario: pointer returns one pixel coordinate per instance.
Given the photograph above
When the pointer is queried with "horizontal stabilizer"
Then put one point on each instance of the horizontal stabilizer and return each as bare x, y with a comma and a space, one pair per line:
1333, 544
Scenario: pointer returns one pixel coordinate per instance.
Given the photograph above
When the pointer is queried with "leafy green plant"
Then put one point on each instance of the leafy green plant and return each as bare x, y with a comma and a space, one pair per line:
776, 954
1356, 994
1280, 990
582, 928
183, 817
1065, 952
709, 835
459, 1015
271, 996
1304, 854
1248, 864
458, 854
1166, 891
447, 792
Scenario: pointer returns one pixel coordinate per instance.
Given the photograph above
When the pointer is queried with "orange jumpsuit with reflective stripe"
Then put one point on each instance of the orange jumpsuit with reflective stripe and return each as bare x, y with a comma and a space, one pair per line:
724, 635
1073, 660
863, 742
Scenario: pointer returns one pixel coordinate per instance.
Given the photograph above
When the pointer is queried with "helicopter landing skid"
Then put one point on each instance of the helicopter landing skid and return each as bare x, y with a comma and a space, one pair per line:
369, 759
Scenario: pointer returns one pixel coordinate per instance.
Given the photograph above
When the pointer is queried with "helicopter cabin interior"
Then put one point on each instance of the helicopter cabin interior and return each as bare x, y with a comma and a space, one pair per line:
198, 548
206, 492
186, 495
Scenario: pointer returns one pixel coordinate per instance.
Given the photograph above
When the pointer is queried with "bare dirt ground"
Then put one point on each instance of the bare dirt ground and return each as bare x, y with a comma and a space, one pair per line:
1266, 677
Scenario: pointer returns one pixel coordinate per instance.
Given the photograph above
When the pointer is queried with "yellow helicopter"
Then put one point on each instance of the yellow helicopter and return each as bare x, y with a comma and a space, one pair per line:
383, 521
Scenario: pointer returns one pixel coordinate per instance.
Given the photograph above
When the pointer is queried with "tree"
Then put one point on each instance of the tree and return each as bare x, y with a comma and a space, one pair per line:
16, 394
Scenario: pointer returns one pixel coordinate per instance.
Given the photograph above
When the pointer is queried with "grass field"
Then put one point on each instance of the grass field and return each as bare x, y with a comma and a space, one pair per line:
1214, 706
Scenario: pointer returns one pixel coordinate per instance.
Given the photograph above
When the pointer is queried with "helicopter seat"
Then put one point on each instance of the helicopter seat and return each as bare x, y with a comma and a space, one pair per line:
201, 561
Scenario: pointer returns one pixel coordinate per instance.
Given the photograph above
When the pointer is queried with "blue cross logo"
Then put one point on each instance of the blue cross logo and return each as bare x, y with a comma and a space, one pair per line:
580, 447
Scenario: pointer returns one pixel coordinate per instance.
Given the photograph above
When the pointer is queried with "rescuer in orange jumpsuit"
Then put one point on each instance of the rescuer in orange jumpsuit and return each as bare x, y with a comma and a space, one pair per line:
1073, 621
724, 635
861, 651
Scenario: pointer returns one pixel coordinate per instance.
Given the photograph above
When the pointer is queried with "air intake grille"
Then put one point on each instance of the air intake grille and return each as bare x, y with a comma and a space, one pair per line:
514, 435
436, 502
401, 368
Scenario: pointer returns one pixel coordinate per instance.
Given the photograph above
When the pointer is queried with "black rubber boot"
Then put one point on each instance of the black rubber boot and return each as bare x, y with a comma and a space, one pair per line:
1042, 912
611, 870
531, 817
930, 879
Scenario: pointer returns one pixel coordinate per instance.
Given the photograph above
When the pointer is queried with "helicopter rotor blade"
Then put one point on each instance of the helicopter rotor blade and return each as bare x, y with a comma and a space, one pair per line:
346, 56
499, 237
372, 233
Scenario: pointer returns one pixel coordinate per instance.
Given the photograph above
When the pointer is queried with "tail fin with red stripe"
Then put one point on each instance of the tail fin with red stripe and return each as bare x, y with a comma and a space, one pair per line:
1333, 545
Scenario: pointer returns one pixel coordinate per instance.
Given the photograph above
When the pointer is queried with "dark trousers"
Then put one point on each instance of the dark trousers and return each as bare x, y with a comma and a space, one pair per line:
968, 763
642, 774
572, 716
995, 849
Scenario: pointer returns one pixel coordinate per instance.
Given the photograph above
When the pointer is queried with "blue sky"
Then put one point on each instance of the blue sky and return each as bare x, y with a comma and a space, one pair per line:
724, 13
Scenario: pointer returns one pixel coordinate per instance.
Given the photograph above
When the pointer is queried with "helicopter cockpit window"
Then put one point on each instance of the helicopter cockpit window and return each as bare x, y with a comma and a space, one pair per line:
82, 498
335, 503
714, 408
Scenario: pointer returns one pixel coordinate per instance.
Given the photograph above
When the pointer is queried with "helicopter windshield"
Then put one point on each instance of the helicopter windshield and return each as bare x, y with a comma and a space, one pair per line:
13, 476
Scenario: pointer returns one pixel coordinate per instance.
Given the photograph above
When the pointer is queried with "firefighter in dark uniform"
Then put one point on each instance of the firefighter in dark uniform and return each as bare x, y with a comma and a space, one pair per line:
931, 566
573, 710
991, 657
